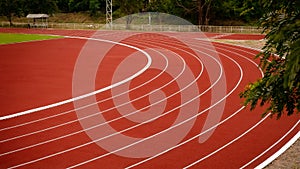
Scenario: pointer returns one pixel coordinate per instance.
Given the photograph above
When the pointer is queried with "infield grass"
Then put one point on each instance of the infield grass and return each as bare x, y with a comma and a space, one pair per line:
7, 38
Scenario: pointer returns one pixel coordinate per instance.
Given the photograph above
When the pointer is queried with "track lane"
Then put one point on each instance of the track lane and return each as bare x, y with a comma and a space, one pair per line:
174, 157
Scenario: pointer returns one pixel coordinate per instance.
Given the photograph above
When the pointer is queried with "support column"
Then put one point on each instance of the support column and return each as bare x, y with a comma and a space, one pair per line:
109, 13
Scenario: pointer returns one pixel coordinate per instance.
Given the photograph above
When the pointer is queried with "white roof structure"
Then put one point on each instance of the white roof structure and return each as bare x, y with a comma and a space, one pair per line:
38, 20
33, 16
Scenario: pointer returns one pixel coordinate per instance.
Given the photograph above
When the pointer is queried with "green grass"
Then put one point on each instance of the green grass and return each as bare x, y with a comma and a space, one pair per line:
6, 38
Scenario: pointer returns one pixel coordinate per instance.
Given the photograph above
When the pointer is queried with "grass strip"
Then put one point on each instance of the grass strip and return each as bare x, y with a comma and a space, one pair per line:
7, 38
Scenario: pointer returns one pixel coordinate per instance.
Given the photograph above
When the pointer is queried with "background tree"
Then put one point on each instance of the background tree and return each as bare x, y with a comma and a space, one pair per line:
279, 88
193, 7
219, 12
251, 10
63, 5
10, 8
94, 6
126, 8
40, 6
165, 6
215, 12
78, 5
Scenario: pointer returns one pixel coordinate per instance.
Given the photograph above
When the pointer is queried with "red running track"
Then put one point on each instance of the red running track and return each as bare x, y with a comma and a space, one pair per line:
181, 110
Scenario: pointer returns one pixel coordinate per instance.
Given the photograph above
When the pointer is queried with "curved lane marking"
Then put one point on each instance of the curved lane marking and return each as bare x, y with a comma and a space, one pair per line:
70, 134
88, 94
279, 152
229, 143
82, 145
298, 133
211, 128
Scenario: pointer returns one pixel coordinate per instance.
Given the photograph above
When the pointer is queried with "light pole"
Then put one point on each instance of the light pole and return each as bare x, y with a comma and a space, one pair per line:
109, 13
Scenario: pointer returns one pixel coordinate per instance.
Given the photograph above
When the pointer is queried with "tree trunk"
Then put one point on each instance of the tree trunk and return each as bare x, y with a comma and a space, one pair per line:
9, 18
207, 13
200, 12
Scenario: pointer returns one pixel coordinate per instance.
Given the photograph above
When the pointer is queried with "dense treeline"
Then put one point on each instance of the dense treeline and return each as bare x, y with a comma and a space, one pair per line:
203, 12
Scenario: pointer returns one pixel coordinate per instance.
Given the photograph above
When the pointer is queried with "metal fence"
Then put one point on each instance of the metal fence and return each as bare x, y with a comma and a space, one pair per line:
145, 27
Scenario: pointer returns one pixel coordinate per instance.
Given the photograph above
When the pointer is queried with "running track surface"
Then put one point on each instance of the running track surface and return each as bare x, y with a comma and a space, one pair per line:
35, 74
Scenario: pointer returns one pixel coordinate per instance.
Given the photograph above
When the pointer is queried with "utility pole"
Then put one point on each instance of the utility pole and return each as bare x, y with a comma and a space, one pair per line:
109, 13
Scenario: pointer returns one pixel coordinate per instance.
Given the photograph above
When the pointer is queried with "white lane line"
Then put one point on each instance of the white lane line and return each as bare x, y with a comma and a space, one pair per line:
31, 146
60, 125
100, 101
159, 132
89, 116
118, 106
69, 111
270, 159
284, 147
170, 111
230, 47
92, 93
279, 152
96, 158
251, 60
63, 113
82, 145
11, 127
195, 136
87, 129
200, 133
159, 154
130, 145
190, 139
229, 143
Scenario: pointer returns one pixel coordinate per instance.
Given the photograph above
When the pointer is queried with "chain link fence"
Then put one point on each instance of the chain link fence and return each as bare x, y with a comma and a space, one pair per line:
145, 27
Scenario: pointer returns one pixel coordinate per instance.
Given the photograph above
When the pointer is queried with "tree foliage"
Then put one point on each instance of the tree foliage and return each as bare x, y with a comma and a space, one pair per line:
280, 60
39, 6
217, 12
199, 7
165, 6
94, 6
125, 7
251, 9
9, 8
